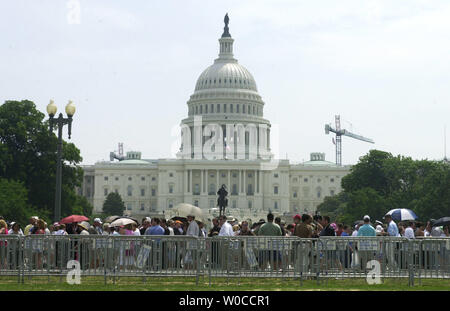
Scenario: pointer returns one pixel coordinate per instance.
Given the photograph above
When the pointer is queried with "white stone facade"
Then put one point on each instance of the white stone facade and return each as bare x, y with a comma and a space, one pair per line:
225, 95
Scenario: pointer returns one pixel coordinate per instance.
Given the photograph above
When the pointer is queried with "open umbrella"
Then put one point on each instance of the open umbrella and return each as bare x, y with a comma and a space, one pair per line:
122, 222
73, 218
444, 221
400, 214
110, 219
185, 209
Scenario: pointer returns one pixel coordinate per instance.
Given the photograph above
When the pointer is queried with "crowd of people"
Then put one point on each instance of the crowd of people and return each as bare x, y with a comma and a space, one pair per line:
303, 226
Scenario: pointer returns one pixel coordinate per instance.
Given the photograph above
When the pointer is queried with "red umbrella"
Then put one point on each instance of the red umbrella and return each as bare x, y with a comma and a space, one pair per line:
73, 218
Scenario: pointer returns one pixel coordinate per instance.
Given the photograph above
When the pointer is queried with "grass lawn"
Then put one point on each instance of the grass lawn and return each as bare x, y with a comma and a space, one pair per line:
218, 284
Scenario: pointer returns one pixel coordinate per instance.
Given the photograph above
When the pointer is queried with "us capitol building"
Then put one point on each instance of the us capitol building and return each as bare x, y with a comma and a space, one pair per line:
225, 140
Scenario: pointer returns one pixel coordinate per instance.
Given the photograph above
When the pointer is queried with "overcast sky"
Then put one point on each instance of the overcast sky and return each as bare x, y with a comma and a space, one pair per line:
130, 67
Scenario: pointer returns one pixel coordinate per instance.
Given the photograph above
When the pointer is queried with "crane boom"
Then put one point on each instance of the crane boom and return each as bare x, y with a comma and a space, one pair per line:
355, 136
339, 133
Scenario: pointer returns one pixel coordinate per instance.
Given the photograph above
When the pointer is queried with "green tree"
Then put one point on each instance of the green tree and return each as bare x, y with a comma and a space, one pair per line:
113, 204
368, 172
380, 182
334, 206
28, 155
13, 201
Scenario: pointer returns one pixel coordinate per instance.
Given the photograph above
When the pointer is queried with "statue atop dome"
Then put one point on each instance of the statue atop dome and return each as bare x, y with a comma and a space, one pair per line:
225, 29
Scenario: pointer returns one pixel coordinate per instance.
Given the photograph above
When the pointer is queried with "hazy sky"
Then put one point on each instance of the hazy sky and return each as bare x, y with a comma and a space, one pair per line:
130, 67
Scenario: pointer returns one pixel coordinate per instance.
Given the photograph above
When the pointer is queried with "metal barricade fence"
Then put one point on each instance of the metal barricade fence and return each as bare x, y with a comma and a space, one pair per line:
236, 257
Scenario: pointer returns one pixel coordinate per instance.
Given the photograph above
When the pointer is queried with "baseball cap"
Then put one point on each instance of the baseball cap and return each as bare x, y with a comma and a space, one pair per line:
366, 217
297, 217
98, 220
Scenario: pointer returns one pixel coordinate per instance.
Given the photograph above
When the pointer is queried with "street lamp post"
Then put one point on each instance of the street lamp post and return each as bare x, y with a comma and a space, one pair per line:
59, 123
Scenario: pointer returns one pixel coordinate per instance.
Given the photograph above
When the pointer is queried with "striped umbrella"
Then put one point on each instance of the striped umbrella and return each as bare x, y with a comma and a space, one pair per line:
400, 214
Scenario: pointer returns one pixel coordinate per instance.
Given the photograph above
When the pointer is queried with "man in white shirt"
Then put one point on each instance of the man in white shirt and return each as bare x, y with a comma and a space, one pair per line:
392, 231
409, 231
225, 228
193, 229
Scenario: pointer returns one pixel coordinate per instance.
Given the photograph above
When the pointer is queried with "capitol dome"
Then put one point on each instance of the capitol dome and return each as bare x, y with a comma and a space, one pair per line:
226, 94
226, 74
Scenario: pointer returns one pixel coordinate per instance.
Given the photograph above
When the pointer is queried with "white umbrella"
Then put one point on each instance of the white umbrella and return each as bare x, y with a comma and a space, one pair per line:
122, 222
186, 209
400, 214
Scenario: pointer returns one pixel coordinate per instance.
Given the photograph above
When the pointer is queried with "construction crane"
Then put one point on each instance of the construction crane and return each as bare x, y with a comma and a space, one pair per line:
339, 133
119, 156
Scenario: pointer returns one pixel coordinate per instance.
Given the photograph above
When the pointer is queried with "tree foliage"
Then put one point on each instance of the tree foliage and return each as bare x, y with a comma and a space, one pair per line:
113, 204
28, 156
380, 182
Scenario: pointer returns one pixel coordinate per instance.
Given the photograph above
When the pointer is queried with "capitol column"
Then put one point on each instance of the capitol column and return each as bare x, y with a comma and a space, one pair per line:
217, 179
244, 183
191, 191
229, 180
201, 182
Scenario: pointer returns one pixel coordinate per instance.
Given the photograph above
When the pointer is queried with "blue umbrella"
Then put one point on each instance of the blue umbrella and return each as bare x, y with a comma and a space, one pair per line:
400, 214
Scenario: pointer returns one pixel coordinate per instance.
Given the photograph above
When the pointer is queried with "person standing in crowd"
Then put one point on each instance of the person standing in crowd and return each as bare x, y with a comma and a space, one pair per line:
33, 221
156, 228
269, 228
106, 229
420, 230
278, 222
353, 248
317, 226
215, 229
225, 228
145, 225
290, 230
367, 229
304, 229
392, 229
272, 256
202, 229
327, 229
163, 224
170, 225
98, 226
83, 228
178, 230
3, 227
445, 233
409, 231
245, 230
340, 229
428, 229
401, 230
15, 229
193, 229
